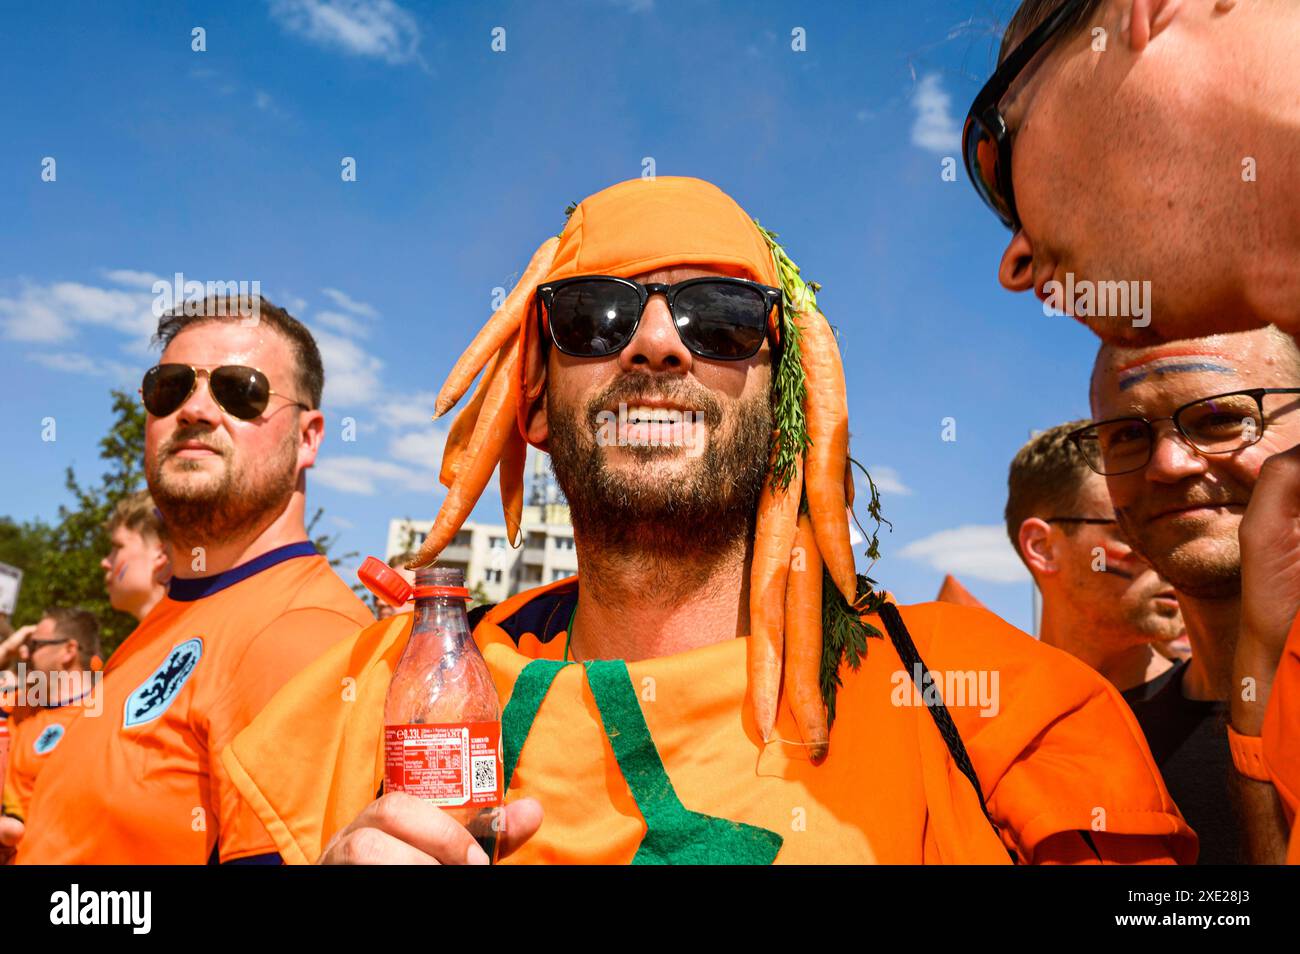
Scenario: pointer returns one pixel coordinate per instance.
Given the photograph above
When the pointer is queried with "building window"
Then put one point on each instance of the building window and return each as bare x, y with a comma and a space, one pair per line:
559, 575
496, 543
492, 576
563, 543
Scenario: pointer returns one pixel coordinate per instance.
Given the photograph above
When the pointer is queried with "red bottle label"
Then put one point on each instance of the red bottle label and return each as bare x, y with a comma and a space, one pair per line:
456, 764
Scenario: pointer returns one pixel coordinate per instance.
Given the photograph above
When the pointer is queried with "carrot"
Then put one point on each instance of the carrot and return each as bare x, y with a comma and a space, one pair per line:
504, 322
496, 419
511, 476
827, 410
462, 428
778, 516
849, 486
803, 642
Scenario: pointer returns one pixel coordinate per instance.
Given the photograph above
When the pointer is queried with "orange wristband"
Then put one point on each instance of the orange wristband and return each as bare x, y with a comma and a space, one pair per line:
1248, 755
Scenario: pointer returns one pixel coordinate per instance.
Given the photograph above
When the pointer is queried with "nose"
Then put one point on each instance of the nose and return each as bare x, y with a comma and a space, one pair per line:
199, 407
656, 346
1016, 271
1173, 458
106, 564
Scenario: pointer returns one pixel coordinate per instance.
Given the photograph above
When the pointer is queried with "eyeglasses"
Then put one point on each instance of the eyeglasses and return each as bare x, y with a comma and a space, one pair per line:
592, 316
985, 139
240, 391
1219, 424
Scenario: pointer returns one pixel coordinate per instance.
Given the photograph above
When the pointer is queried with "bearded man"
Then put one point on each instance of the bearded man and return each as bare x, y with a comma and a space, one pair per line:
645, 717
232, 426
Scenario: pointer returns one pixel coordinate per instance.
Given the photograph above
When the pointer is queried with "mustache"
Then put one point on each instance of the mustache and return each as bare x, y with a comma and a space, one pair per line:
205, 436
632, 388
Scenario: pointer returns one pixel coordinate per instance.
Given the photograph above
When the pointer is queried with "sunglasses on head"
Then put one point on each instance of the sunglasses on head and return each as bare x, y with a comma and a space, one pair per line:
985, 138
240, 391
592, 316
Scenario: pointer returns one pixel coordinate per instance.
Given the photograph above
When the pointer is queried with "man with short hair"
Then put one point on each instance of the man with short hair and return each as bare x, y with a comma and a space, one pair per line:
136, 567
233, 423
61, 662
1159, 141
1101, 601
1181, 434
642, 713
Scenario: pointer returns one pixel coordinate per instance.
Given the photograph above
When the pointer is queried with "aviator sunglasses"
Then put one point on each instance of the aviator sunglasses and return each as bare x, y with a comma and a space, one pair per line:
592, 316
240, 391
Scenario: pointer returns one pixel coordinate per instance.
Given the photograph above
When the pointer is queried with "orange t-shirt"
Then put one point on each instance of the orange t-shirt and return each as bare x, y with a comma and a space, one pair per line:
34, 739
142, 783
1061, 759
1281, 734
4, 743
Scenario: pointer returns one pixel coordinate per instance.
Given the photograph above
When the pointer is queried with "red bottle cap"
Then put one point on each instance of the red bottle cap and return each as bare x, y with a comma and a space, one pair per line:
385, 582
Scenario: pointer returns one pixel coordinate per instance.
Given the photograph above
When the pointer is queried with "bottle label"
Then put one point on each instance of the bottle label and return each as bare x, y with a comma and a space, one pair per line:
455, 764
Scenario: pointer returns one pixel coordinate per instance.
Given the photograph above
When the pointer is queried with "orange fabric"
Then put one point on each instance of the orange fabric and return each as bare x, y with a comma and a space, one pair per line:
154, 792
28, 753
951, 591
1281, 734
1062, 755
639, 226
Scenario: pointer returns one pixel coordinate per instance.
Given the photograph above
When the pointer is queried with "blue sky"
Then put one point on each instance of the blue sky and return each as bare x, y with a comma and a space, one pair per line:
225, 165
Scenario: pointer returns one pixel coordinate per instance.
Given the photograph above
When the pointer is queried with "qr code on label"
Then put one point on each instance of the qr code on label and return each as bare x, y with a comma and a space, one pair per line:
485, 774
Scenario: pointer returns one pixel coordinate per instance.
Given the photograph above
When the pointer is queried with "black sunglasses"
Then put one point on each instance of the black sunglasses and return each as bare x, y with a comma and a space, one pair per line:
240, 391
985, 139
592, 316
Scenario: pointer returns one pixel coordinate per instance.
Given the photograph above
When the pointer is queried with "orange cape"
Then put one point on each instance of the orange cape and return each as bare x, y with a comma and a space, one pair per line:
1062, 755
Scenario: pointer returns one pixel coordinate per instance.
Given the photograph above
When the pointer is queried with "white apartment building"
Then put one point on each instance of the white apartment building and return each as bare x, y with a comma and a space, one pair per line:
483, 551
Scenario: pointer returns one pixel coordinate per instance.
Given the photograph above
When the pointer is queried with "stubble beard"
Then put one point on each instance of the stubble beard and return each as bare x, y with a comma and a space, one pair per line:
1206, 576
663, 525
240, 501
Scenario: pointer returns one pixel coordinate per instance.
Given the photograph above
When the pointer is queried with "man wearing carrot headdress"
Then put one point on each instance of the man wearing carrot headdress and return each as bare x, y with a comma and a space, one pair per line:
710, 687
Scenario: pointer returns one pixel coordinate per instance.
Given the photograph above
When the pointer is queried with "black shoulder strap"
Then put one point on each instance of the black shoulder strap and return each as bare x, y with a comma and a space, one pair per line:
477, 613
914, 664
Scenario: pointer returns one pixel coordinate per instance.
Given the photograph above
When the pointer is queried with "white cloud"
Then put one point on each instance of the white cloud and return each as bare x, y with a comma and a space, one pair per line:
976, 551
49, 313
345, 324
131, 278
422, 448
934, 128
262, 100
371, 28
365, 475
351, 374
347, 303
408, 410
888, 481
74, 362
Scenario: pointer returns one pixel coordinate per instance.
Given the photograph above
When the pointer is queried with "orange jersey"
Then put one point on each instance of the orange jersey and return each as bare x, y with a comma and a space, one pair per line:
660, 760
141, 783
1281, 734
32, 742
4, 748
